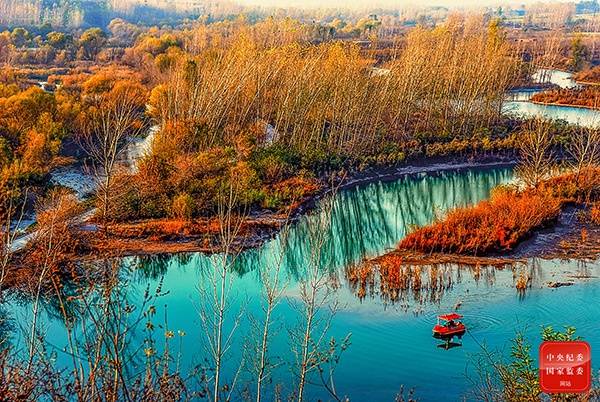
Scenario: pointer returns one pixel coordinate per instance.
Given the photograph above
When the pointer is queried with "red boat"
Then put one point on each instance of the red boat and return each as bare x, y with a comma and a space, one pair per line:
451, 326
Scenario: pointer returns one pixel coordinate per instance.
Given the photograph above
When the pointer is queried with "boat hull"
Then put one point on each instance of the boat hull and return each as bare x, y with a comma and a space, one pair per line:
444, 332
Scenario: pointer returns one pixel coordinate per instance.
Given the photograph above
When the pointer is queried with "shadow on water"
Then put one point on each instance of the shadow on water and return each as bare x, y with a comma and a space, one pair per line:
449, 344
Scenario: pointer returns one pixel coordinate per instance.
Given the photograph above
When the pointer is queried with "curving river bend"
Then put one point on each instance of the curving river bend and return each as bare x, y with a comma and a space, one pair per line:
391, 343
518, 102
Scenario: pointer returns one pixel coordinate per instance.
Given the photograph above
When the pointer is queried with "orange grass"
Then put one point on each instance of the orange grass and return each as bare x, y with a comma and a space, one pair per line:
497, 224
595, 214
587, 97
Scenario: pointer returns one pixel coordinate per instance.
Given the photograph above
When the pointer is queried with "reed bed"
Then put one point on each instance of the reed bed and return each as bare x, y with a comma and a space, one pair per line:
495, 225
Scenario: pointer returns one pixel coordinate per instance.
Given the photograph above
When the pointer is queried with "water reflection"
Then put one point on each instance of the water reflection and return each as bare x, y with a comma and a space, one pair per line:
395, 282
365, 222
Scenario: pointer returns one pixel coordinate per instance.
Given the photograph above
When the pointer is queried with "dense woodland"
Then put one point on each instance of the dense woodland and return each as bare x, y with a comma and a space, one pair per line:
278, 109
263, 104
273, 104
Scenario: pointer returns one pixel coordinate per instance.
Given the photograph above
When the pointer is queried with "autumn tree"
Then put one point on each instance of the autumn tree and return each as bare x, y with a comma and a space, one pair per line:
123, 32
58, 40
19, 37
90, 43
111, 122
536, 152
579, 53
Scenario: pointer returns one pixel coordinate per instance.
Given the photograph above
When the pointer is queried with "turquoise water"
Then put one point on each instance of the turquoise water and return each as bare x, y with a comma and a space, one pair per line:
573, 115
366, 221
391, 343
518, 103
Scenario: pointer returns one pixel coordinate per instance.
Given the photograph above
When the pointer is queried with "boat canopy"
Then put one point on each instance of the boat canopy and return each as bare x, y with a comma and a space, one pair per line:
451, 316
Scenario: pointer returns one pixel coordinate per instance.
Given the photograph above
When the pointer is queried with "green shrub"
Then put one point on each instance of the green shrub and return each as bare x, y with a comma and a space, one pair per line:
182, 206
321, 160
274, 163
272, 201
126, 206
155, 207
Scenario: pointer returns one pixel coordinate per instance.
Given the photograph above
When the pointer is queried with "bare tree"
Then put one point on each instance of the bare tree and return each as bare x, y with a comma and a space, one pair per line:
317, 308
12, 217
102, 339
215, 306
109, 128
56, 217
274, 284
536, 152
584, 148
327, 97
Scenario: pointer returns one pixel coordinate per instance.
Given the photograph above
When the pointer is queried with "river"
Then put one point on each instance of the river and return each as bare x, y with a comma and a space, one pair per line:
519, 103
391, 343
391, 339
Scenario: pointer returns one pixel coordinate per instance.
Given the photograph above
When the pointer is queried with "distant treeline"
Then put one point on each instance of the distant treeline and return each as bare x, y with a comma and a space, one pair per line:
98, 13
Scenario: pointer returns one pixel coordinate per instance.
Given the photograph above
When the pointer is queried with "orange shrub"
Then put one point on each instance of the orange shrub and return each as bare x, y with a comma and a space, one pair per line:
584, 97
573, 187
291, 192
494, 225
297, 187
595, 213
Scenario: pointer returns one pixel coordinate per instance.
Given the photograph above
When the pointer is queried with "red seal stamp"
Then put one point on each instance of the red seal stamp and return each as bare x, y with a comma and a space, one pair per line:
565, 367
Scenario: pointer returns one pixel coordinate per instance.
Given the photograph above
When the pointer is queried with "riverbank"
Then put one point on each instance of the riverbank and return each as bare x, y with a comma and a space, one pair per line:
202, 235
172, 236
564, 104
553, 220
